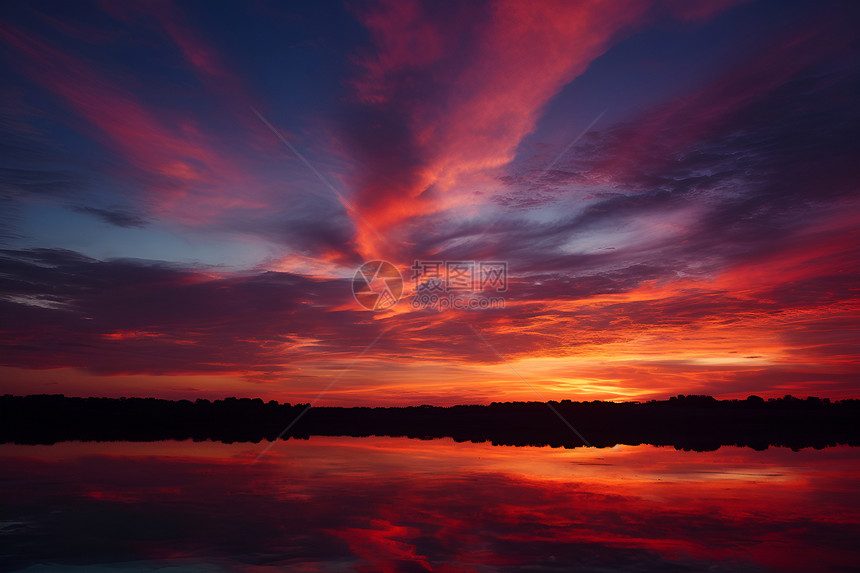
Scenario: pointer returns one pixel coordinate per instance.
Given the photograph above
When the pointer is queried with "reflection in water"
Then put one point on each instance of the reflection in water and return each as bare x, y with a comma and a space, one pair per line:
394, 504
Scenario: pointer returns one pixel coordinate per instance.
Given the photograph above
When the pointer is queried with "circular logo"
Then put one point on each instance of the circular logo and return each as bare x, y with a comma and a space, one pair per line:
377, 285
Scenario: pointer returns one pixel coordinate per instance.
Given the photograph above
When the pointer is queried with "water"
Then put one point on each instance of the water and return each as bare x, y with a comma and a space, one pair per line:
395, 504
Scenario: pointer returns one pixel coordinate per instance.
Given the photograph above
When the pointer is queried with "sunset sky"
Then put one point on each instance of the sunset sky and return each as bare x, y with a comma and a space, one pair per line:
188, 188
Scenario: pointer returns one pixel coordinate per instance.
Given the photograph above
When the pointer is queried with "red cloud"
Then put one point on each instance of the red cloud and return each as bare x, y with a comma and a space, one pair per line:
465, 91
190, 176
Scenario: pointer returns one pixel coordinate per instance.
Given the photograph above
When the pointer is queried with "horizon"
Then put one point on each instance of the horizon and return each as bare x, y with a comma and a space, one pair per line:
263, 201
677, 397
700, 423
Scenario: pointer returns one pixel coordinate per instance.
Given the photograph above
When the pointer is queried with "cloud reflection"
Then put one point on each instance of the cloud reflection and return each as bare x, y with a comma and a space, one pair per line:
391, 504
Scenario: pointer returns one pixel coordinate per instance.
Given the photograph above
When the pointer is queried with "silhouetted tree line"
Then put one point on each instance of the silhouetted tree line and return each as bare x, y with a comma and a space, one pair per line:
686, 422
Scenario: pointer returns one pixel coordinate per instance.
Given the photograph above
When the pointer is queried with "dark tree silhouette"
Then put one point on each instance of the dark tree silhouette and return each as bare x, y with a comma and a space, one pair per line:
688, 422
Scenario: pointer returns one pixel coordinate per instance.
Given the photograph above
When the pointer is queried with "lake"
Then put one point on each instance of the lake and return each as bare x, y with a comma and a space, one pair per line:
398, 504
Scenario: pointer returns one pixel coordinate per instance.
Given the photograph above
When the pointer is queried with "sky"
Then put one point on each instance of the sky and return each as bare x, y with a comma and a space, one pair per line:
189, 189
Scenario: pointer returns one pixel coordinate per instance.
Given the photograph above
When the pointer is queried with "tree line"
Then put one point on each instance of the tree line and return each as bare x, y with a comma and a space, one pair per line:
687, 422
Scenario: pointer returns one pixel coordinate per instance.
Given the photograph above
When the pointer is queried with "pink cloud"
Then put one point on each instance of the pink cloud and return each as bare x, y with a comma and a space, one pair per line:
189, 175
486, 83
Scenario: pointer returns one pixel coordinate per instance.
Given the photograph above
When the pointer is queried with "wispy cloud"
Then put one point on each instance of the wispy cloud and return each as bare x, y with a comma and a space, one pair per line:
116, 217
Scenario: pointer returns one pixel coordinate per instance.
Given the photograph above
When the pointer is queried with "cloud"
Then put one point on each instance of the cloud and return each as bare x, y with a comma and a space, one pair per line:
126, 316
436, 105
618, 330
730, 172
116, 217
185, 170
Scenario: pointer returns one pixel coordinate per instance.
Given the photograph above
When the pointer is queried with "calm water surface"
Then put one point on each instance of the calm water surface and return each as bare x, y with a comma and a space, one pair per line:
395, 504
